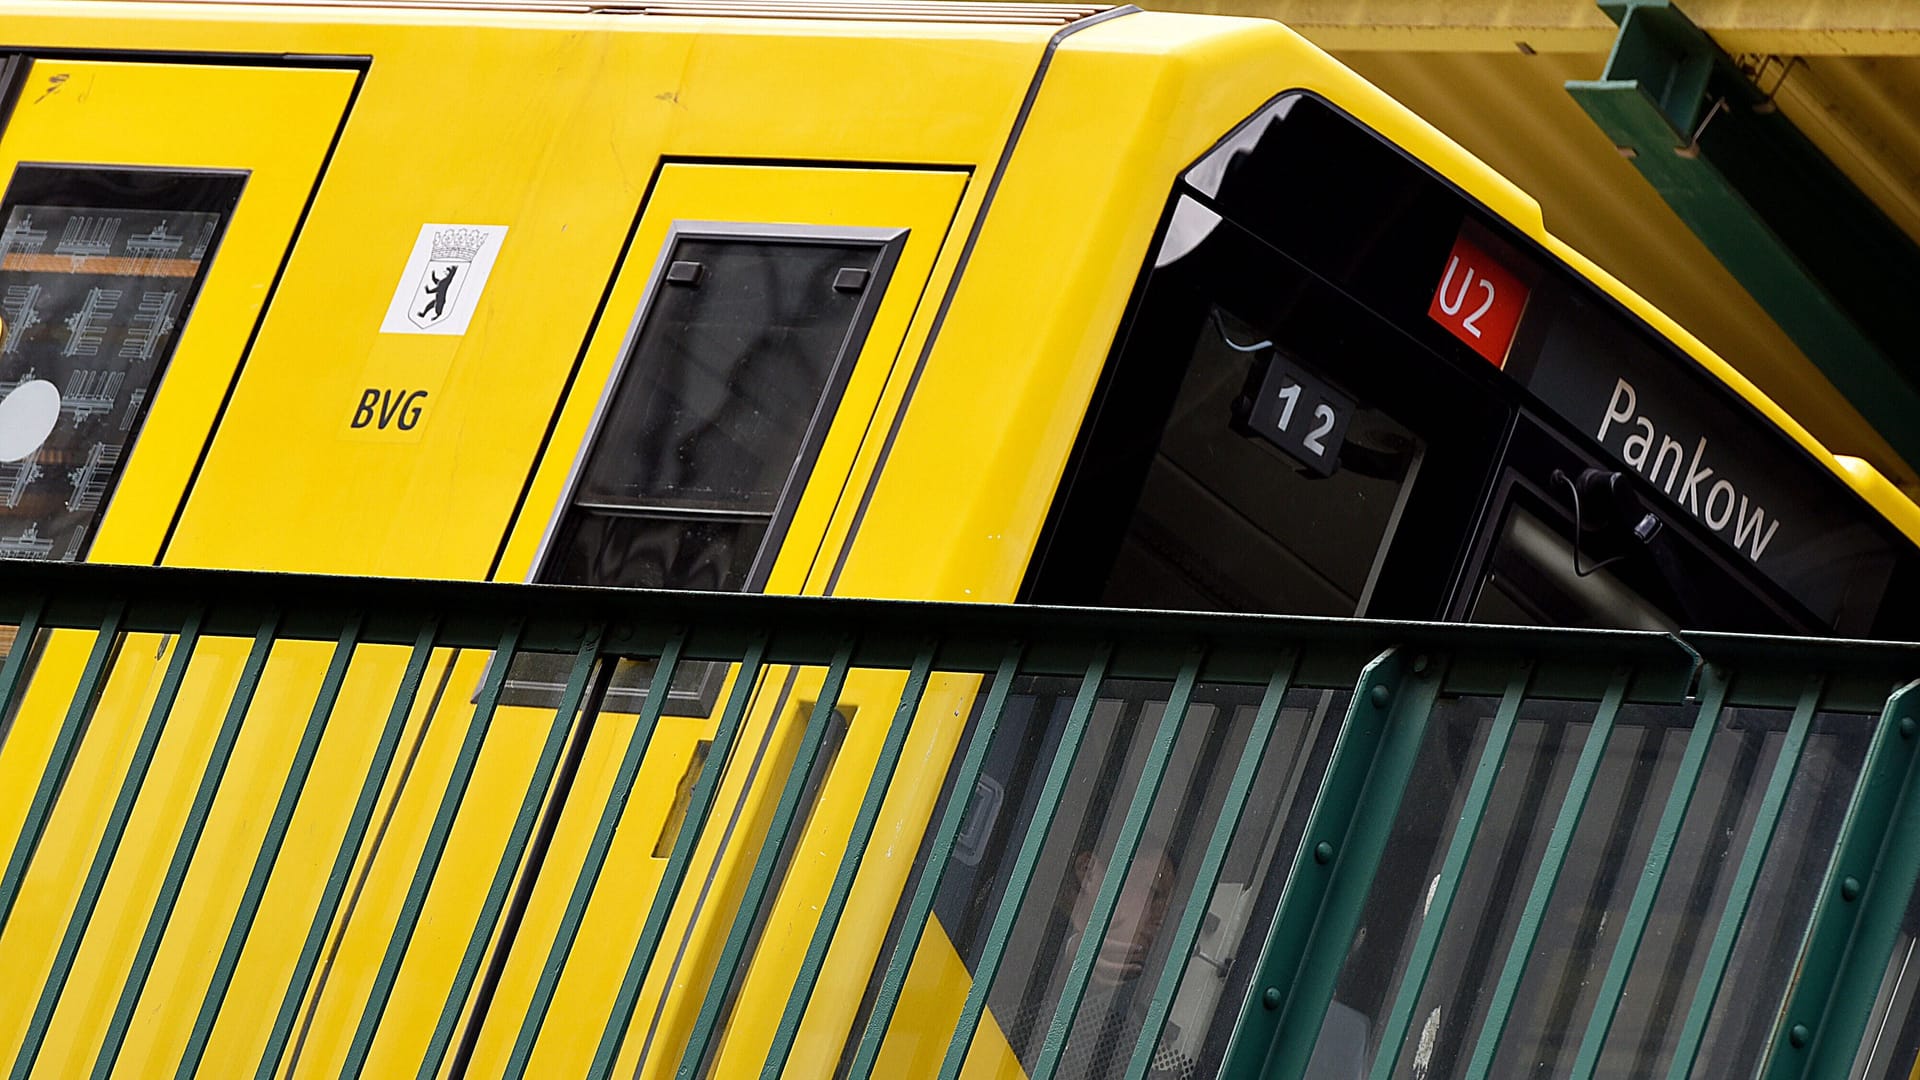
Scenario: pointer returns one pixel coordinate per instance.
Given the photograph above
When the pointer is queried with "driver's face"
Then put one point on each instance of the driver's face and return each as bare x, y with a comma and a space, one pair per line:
1137, 915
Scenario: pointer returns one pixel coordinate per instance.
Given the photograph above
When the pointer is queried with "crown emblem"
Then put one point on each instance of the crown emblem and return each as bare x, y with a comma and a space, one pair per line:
458, 245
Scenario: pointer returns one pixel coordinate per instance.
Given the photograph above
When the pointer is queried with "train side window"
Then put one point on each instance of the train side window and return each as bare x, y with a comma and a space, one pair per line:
99, 268
712, 421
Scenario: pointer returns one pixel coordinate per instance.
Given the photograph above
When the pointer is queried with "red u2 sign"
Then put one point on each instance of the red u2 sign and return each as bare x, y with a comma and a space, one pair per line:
1478, 300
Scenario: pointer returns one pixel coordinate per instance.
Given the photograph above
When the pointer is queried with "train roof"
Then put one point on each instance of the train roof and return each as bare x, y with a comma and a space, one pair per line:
906, 11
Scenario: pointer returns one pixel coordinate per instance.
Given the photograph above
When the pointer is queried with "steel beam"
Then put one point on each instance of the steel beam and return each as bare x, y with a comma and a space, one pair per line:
1821, 258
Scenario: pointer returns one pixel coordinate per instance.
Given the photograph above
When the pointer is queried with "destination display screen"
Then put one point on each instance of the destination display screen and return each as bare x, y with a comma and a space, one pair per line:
1705, 453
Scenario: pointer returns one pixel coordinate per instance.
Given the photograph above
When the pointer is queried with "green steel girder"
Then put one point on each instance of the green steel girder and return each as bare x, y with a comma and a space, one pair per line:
1826, 264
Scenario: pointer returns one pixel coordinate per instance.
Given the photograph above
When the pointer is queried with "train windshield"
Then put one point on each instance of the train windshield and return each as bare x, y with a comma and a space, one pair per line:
1346, 389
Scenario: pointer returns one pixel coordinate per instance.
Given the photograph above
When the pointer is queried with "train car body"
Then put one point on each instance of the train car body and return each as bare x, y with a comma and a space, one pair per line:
990, 303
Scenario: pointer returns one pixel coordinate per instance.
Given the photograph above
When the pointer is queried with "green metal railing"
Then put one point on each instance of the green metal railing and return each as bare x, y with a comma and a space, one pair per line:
1369, 849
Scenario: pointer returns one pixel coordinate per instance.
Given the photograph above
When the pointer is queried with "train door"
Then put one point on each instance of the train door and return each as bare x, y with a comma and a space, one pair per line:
747, 341
147, 209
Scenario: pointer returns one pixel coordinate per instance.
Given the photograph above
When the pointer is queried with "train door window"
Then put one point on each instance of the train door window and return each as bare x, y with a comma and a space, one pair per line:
734, 369
1265, 443
719, 410
98, 270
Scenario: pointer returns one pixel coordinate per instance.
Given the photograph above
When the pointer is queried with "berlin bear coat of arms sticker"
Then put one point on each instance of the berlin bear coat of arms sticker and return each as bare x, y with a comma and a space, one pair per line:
441, 285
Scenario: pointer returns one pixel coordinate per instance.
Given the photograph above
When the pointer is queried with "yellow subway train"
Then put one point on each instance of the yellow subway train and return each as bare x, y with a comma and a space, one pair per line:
996, 302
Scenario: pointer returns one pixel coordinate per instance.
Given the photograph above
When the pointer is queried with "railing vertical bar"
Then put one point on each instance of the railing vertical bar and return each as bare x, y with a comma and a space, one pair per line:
405, 694
23, 634
184, 848
564, 715
1187, 930
1433, 922
429, 864
725, 972
658, 687
1334, 866
1633, 925
110, 837
277, 827
1119, 865
857, 841
1585, 770
86, 695
1024, 863
1751, 861
699, 806
920, 908
1863, 903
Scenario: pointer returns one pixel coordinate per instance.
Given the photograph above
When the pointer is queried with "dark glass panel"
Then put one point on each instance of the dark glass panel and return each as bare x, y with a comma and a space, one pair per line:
726, 376
639, 552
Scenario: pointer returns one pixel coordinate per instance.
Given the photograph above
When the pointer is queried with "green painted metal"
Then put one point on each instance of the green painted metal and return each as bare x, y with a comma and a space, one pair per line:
183, 849
109, 846
1152, 771
1726, 935
658, 688
1817, 254
442, 831
1354, 800
1340, 849
727, 970
24, 633
1854, 927
1187, 930
857, 840
699, 806
1633, 926
565, 715
1434, 922
270, 845
86, 695
406, 692
1585, 769
920, 908
1021, 876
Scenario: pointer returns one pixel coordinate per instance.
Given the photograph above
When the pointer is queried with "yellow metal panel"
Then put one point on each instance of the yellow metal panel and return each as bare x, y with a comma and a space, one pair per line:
274, 124
564, 169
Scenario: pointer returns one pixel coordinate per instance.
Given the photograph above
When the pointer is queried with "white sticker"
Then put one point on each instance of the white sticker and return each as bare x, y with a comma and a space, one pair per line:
441, 285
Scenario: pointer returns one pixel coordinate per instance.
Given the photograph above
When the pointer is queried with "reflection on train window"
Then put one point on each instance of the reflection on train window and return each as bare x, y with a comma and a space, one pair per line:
1229, 520
715, 417
98, 271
